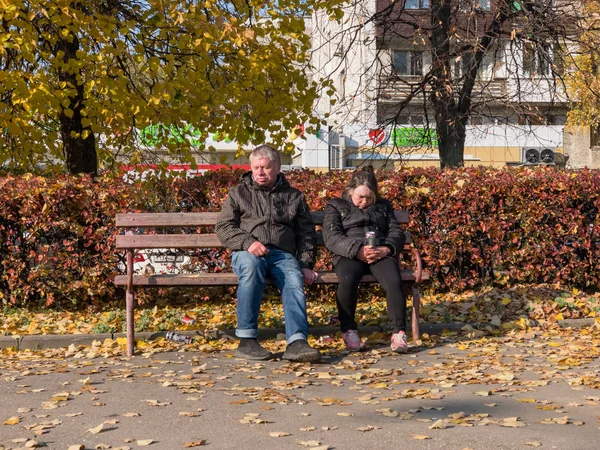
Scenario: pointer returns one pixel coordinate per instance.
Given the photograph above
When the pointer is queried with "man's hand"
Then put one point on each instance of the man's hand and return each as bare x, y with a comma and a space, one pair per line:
258, 249
310, 276
374, 254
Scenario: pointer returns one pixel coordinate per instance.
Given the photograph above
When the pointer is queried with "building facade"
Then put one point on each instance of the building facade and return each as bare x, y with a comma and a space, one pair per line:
380, 60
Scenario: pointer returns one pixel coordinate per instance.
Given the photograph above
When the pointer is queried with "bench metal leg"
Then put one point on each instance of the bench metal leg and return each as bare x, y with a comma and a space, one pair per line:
129, 304
416, 295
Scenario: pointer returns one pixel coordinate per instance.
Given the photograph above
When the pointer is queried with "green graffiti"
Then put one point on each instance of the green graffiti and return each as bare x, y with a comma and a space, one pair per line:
154, 135
414, 137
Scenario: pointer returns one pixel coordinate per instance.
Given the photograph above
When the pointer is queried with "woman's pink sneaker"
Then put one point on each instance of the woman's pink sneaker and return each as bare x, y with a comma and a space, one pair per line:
399, 342
353, 341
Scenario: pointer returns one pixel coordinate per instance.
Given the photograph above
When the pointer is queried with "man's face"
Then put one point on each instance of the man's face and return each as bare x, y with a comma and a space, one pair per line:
264, 172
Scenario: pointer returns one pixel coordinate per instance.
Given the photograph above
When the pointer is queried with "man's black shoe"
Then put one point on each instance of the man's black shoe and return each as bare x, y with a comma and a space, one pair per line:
249, 348
301, 351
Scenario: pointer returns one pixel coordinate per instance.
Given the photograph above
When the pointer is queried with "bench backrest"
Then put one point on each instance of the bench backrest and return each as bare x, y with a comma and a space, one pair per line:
156, 221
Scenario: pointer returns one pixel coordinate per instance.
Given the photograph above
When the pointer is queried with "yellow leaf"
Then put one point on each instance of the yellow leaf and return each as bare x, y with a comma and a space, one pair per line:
506, 301
96, 430
68, 112
278, 434
420, 437
194, 443
12, 421
143, 442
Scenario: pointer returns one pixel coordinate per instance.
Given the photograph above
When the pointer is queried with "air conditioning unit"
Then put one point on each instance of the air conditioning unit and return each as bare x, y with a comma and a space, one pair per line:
537, 155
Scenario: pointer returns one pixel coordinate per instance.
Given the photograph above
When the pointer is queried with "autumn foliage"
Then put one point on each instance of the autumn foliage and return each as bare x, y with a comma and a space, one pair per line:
474, 226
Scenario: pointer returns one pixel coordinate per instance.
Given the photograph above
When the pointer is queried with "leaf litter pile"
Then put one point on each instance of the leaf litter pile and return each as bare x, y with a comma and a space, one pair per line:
491, 307
509, 357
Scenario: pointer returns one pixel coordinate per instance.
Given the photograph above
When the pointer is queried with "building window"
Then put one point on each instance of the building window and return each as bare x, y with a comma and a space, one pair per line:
536, 59
405, 62
475, 5
595, 136
482, 5
416, 4
536, 119
463, 65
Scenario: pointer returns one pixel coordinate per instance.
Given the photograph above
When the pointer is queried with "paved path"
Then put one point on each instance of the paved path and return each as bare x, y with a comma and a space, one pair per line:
525, 390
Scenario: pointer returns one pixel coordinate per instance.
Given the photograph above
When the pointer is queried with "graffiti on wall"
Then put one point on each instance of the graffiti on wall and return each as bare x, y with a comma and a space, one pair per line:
153, 135
405, 137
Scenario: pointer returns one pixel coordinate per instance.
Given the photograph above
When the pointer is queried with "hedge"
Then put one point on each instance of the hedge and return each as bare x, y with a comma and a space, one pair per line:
474, 226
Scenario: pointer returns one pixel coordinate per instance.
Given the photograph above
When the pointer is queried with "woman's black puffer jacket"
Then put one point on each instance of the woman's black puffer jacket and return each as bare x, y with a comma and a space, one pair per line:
345, 225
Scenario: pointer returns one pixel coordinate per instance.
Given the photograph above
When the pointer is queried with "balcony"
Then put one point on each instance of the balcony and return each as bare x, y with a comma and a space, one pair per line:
393, 90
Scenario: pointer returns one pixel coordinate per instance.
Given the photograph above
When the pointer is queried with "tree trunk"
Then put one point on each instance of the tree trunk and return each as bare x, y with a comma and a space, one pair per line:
80, 153
451, 139
449, 123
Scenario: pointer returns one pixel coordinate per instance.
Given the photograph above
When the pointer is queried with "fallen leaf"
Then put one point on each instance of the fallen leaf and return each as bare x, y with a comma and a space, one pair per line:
344, 414
438, 425
144, 442
12, 421
96, 430
420, 437
133, 414
368, 428
483, 393
533, 444
278, 434
194, 443
308, 443
512, 422
76, 447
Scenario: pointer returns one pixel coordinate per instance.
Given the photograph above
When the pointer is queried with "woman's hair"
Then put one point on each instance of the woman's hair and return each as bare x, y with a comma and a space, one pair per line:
266, 151
363, 177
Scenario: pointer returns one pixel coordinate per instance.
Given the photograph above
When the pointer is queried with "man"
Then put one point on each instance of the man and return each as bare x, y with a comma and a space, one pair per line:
268, 226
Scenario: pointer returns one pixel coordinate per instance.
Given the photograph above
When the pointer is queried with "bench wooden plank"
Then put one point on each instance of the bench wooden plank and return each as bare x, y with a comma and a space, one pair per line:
208, 240
227, 279
142, 241
135, 220
158, 220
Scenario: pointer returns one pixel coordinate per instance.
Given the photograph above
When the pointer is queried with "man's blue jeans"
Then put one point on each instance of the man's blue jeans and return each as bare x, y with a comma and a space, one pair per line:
284, 270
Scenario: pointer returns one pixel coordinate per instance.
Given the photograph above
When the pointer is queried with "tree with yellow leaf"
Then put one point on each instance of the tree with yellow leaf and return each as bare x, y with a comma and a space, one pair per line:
583, 81
78, 79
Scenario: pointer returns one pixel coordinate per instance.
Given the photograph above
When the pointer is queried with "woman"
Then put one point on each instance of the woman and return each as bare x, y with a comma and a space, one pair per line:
346, 221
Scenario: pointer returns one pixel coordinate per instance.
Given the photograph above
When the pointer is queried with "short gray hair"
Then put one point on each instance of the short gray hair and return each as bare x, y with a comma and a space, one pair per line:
266, 151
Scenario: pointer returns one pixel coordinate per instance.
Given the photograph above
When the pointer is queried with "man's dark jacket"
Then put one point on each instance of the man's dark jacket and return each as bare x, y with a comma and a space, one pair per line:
345, 225
278, 216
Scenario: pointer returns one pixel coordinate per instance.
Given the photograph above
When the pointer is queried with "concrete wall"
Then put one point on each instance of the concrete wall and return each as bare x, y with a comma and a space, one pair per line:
577, 147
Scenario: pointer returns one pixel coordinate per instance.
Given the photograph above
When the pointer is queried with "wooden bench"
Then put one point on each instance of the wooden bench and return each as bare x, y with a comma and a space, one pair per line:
132, 223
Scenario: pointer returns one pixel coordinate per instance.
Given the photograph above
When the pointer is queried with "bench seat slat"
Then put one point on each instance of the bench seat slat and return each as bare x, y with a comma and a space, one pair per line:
226, 279
158, 220
208, 240
134, 220
141, 241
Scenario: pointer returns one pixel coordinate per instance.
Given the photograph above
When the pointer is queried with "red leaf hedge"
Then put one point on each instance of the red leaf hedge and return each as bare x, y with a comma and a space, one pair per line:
472, 225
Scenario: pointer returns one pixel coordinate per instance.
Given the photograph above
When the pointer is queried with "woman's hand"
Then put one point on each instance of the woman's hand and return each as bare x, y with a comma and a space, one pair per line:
361, 256
374, 254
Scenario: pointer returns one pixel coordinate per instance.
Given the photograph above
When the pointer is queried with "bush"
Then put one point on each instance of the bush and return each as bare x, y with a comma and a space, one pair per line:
474, 226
